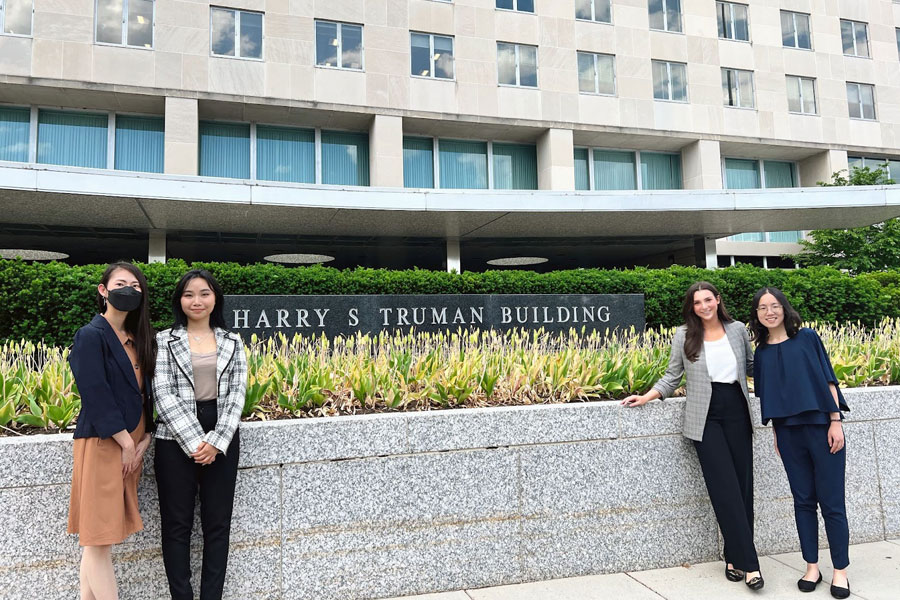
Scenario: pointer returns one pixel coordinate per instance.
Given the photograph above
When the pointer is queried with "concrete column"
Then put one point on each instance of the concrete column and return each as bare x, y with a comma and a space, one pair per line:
820, 167
386, 151
705, 253
702, 165
454, 260
182, 141
156, 253
556, 160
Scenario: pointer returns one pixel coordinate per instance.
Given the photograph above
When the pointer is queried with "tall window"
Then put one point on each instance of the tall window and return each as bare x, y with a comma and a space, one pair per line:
124, 22
742, 174
898, 40
737, 88
732, 19
795, 30
140, 143
855, 38
468, 164
339, 45
519, 5
861, 100
593, 10
74, 139
418, 162
596, 73
665, 15
16, 16
515, 166
283, 154
517, 64
237, 33
15, 125
601, 169
432, 55
669, 81
801, 93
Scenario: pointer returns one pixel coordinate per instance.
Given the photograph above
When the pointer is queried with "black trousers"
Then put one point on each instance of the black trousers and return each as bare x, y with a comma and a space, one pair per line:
178, 478
817, 478
726, 458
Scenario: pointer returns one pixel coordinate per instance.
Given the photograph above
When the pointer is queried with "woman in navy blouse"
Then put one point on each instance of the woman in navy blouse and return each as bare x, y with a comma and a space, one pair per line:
798, 392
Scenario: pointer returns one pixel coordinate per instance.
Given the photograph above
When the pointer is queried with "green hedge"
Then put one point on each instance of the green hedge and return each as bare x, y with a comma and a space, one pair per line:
49, 301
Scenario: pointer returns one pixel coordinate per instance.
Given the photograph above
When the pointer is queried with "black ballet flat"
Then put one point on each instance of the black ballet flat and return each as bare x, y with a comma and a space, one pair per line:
733, 574
757, 583
839, 592
809, 586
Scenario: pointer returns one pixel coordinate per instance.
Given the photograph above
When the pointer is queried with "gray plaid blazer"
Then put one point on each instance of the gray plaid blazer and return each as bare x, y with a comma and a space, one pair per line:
173, 389
698, 388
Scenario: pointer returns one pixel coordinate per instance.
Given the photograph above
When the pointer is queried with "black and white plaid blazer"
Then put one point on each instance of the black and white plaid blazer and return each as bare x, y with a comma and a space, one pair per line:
698, 386
173, 389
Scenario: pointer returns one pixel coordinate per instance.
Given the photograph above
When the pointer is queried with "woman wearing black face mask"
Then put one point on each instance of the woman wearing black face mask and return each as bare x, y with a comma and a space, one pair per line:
112, 359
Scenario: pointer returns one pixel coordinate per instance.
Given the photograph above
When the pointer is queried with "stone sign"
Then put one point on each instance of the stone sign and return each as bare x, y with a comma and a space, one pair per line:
348, 315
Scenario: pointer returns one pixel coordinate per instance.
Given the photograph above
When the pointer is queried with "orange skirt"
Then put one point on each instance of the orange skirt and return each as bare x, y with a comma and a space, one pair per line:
103, 508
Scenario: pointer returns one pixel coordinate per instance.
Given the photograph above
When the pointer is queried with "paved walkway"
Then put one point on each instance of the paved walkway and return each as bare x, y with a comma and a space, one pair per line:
874, 575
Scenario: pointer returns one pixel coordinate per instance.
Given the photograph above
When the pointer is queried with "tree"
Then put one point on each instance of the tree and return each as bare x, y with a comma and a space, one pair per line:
857, 250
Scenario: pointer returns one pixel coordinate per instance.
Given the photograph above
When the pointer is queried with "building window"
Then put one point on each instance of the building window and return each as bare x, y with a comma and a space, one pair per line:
669, 81
861, 101
515, 166
339, 45
744, 174
732, 19
124, 22
582, 169
596, 73
432, 55
593, 10
601, 169
898, 40
468, 164
418, 162
855, 38
795, 30
285, 154
237, 33
140, 143
519, 5
801, 94
345, 158
224, 150
665, 15
741, 174
517, 64
74, 139
15, 126
737, 88
16, 16
892, 169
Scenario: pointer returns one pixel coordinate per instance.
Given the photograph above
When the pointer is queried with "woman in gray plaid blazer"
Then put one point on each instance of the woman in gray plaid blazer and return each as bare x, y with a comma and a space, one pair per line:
713, 352
199, 387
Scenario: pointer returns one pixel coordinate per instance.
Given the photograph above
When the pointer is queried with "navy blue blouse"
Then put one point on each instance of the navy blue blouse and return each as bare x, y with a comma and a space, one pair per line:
791, 381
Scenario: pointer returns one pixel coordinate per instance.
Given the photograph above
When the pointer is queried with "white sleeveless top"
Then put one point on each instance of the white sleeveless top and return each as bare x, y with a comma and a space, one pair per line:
720, 361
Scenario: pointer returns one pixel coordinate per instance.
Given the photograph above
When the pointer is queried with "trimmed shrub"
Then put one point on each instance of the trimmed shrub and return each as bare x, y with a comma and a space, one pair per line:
50, 301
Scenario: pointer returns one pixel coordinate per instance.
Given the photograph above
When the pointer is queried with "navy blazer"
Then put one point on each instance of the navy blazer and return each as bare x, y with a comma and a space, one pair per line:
110, 397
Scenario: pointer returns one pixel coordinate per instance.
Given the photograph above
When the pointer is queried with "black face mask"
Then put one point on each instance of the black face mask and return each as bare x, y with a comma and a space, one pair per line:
125, 299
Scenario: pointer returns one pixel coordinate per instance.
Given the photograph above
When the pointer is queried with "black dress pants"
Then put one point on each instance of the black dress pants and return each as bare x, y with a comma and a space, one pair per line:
177, 479
726, 459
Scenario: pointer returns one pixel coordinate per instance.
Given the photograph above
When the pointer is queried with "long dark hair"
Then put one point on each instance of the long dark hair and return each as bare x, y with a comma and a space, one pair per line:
694, 338
216, 317
759, 333
137, 322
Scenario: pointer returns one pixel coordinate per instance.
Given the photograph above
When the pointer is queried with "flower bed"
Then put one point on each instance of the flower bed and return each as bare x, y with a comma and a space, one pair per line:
308, 376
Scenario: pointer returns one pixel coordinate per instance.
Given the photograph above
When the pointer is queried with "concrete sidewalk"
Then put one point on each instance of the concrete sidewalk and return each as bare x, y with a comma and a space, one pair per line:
874, 575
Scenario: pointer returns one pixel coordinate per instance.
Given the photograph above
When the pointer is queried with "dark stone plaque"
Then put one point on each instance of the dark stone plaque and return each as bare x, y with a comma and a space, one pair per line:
348, 315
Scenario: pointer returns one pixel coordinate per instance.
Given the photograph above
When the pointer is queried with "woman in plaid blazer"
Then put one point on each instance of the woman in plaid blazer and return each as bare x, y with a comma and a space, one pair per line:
198, 386
713, 351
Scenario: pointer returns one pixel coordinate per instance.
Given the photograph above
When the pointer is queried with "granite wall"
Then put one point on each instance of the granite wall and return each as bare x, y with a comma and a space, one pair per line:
385, 505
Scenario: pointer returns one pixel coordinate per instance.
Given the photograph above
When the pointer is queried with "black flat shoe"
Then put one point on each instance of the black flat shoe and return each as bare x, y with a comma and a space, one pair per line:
809, 586
757, 583
839, 592
733, 574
